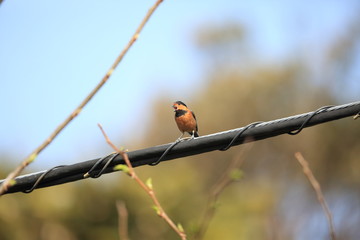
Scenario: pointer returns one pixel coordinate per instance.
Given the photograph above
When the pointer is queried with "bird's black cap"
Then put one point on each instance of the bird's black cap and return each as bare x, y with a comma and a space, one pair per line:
181, 103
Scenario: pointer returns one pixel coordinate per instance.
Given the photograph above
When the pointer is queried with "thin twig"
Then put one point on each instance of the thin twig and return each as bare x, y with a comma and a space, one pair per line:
9, 181
231, 174
357, 116
147, 187
123, 220
315, 184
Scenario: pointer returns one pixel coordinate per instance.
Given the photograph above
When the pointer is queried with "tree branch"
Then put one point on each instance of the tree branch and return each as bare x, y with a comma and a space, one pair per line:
9, 181
146, 186
315, 184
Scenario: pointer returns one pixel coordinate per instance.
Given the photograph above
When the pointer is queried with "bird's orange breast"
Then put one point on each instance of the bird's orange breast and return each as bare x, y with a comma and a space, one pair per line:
186, 122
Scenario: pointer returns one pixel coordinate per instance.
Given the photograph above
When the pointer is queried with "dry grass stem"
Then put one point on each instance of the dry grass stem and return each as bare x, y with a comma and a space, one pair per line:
148, 189
315, 184
16, 172
123, 220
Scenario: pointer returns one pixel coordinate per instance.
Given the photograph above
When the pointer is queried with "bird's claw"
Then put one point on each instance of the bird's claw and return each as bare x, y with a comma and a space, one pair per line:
185, 138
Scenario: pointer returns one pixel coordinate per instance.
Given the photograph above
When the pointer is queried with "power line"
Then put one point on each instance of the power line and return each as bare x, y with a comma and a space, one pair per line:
217, 141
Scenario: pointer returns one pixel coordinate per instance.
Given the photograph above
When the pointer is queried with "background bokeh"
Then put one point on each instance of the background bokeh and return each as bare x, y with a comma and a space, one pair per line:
232, 62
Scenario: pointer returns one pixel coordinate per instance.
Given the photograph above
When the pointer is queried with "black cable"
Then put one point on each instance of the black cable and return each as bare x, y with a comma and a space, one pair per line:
308, 119
239, 133
216, 141
41, 178
165, 153
93, 168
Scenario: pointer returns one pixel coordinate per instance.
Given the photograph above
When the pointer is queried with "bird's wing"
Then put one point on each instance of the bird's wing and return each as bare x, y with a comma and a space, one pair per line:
195, 120
193, 114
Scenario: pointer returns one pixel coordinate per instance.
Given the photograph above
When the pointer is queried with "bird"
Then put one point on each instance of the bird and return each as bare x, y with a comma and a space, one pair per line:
185, 120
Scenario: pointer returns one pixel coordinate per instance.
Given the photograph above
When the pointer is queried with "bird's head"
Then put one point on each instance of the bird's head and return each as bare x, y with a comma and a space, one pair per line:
179, 105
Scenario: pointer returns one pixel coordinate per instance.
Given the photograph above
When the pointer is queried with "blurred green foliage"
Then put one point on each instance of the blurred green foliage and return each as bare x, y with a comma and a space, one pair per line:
272, 198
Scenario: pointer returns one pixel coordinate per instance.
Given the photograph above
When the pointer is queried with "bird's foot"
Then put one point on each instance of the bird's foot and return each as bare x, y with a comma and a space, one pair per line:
185, 138
180, 140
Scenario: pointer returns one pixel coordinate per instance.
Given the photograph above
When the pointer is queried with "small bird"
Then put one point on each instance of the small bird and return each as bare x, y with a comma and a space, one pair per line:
185, 119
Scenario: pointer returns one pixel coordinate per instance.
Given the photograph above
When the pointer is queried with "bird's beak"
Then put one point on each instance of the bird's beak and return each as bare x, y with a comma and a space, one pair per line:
174, 107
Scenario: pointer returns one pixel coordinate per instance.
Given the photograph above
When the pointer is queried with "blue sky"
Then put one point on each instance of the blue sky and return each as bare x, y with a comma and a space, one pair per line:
52, 53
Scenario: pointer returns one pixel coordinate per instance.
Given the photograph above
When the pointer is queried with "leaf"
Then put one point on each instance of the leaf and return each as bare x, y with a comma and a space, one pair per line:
31, 158
236, 174
149, 183
180, 227
157, 210
12, 182
215, 205
122, 167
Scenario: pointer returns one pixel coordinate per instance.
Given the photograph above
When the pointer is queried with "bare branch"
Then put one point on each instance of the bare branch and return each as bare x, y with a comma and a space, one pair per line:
357, 116
9, 181
147, 188
315, 184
